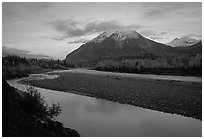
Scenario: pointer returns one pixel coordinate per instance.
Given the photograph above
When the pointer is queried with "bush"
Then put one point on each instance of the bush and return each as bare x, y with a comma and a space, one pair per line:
34, 104
54, 111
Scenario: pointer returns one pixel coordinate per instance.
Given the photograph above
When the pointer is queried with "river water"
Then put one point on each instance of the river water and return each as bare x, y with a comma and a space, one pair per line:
97, 117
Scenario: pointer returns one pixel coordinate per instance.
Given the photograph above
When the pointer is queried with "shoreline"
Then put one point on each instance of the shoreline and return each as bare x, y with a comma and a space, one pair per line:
135, 75
92, 96
152, 72
153, 104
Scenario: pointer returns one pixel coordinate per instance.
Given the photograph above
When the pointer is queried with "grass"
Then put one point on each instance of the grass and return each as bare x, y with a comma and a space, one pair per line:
176, 97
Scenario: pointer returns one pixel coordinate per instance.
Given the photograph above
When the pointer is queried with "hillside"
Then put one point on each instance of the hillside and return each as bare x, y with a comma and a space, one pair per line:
192, 49
115, 44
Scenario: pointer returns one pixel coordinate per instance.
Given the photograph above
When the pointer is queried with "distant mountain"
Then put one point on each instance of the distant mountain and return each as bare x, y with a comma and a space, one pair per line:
116, 44
192, 49
187, 40
22, 53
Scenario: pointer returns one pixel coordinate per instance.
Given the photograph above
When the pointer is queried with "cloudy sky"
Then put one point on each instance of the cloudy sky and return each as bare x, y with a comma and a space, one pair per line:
56, 29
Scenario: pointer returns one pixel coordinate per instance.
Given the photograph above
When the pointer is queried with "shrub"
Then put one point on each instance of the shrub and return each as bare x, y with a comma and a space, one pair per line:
34, 104
54, 110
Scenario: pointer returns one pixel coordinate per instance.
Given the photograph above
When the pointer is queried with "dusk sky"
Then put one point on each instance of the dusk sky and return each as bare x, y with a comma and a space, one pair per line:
56, 29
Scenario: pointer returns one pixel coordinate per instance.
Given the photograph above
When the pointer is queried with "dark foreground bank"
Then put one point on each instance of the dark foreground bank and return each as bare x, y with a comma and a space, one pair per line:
18, 122
176, 97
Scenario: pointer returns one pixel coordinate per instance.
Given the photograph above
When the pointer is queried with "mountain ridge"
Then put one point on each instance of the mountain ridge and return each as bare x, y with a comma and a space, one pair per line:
117, 44
117, 35
187, 40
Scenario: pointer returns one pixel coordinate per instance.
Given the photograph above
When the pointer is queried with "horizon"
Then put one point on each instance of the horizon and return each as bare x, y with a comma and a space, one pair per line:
56, 29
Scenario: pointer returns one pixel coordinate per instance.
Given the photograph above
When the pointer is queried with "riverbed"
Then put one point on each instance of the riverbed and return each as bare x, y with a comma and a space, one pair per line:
97, 117
133, 75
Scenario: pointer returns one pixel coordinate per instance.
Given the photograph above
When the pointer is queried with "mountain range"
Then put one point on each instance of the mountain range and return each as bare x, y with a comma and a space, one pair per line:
127, 43
187, 40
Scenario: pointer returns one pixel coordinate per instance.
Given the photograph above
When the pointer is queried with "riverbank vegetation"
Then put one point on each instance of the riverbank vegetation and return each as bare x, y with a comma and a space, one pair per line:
26, 114
176, 97
148, 63
16, 66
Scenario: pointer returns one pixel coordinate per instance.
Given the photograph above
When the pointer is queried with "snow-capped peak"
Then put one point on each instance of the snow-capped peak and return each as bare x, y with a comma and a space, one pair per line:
117, 35
124, 34
187, 40
101, 37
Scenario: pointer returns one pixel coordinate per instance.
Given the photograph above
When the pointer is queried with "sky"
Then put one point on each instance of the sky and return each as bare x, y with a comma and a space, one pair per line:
56, 29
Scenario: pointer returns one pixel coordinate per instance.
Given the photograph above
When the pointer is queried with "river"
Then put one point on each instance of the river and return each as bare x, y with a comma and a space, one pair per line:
97, 117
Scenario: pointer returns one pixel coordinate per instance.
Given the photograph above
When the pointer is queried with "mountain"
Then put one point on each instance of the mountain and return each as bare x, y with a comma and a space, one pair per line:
116, 44
187, 40
192, 49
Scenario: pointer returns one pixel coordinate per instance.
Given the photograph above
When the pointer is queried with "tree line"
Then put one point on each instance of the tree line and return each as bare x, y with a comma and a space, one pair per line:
182, 64
13, 65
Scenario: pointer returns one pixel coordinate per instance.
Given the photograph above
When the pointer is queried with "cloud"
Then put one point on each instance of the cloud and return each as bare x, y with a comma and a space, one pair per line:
23, 53
44, 35
78, 41
28, 6
153, 34
36, 6
101, 26
8, 13
20, 11
147, 32
71, 28
156, 13
14, 50
58, 38
163, 33
194, 36
157, 38
167, 9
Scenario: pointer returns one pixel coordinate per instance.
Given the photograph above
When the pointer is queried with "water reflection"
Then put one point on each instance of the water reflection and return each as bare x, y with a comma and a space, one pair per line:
96, 117
100, 106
